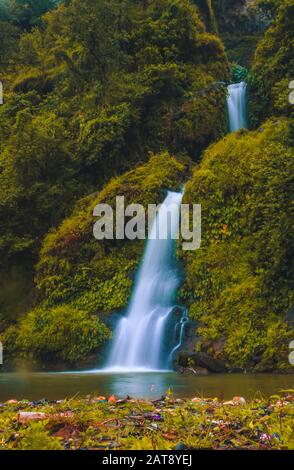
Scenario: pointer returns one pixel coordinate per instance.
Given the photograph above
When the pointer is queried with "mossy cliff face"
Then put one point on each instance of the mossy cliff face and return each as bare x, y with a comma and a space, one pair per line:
239, 284
89, 92
273, 65
96, 89
81, 280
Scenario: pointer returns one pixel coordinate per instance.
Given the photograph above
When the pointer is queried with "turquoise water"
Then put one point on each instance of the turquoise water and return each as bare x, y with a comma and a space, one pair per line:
237, 104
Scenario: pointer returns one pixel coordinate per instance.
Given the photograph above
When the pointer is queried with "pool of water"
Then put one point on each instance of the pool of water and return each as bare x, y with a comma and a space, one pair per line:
55, 386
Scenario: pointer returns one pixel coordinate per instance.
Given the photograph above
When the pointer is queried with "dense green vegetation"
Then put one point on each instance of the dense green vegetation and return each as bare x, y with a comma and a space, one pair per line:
96, 87
79, 277
239, 285
273, 64
122, 98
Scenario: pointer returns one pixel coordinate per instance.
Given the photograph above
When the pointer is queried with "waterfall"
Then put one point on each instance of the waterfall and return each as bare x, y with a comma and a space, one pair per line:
179, 332
141, 340
237, 106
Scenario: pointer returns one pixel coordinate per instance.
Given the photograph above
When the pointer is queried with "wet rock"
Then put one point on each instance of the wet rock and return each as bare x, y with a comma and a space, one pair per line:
219, 344
196, 400
193, 371
202, 360
239, 401
235, 401
235, 370
100, 399
181, 446
43, 401
26, 416
112, 399
169, 436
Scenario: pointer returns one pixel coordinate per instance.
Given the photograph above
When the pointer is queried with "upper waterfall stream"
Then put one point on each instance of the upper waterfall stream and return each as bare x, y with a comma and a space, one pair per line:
237, 106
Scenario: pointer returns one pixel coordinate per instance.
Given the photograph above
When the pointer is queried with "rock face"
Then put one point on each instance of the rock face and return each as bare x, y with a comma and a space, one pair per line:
193, 371
202, 360
207, 14
200, 363
239, 16
240, 25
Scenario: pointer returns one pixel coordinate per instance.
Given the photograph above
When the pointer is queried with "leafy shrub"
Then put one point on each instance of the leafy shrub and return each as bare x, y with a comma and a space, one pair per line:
239, 73
64, 333
37, 437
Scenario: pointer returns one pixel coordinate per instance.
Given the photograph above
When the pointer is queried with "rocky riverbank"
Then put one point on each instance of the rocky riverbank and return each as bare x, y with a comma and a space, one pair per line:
98, 422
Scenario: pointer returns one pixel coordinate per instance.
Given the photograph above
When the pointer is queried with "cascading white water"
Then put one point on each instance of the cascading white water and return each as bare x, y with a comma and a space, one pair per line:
179, 331
237, 106
139, 340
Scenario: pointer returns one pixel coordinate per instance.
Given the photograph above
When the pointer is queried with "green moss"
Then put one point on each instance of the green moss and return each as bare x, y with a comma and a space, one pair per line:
238, 285
273, 65
37, 437
32, 80
64, 333
80, 279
